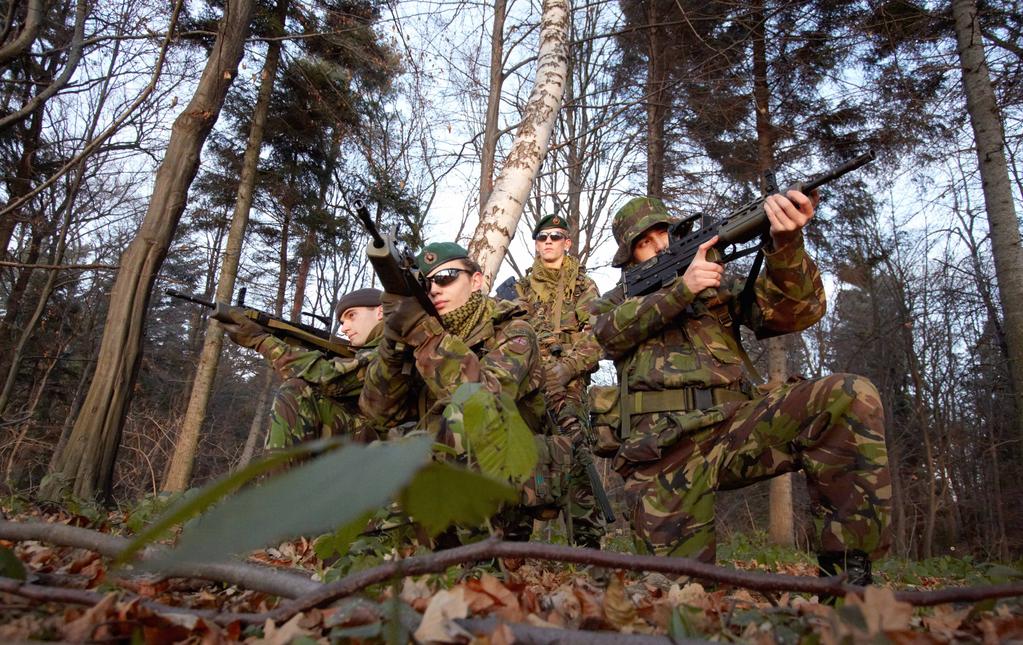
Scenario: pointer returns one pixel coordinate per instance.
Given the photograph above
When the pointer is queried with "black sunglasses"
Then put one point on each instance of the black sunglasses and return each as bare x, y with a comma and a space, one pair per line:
554, 237
444, 277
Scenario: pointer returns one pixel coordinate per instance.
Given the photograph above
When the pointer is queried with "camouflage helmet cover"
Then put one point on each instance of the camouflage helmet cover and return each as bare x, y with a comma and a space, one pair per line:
632, 220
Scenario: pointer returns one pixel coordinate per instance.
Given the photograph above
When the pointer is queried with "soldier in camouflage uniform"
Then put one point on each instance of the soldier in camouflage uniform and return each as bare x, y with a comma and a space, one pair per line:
422, 360
689, 426
557, 293
318, 396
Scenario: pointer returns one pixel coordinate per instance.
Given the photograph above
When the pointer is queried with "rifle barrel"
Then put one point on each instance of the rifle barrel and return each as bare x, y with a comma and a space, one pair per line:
190, 298
367, 220
848, 166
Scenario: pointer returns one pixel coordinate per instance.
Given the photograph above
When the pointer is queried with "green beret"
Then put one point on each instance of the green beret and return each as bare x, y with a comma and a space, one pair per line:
359, 298
436, 254
551, 221
632, 220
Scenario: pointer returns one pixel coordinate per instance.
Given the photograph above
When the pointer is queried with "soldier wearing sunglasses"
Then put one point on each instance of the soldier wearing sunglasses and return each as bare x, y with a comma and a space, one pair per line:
318, 396
423, 360
557, 293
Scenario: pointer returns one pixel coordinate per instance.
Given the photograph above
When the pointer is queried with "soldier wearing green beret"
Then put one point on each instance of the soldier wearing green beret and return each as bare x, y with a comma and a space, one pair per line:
422, 360
557, 293
318, 396
691, 424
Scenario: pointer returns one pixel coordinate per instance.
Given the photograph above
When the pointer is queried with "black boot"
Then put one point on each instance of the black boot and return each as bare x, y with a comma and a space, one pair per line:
855, 564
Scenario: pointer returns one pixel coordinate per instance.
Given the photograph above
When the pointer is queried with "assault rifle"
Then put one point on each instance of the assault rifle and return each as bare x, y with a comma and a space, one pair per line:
297, 334
744, 224
396, 269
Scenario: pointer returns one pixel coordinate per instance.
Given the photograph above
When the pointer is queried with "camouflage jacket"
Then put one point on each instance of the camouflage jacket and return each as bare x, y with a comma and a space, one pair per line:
500, 353
579, 347
671, 339
336, 378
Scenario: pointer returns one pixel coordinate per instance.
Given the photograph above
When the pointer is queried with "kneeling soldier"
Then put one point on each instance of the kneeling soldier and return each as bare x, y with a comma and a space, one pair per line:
318, 396
689, 426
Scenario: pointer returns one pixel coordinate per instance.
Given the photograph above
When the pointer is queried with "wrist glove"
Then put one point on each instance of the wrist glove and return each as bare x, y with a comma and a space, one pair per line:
242, 330
405, 320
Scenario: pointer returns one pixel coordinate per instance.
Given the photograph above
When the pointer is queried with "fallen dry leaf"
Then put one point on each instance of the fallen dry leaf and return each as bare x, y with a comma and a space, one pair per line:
83, 628
618, 607
283, 635
881, 611
438, 624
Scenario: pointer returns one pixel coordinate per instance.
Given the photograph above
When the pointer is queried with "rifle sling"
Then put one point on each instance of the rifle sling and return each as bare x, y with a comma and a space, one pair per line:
746, 300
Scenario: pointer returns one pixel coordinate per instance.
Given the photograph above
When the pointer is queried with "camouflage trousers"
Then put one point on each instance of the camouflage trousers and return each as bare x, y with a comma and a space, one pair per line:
301, 413
830, 428
573, 417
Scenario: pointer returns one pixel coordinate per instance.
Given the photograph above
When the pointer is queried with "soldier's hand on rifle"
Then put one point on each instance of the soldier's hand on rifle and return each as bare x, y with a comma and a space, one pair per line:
557, 375
405, 320
788, 215
243, 330
702, 273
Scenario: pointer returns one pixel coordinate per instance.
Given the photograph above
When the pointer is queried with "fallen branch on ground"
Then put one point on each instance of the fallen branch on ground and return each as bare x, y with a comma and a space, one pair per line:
314, 594
248, 576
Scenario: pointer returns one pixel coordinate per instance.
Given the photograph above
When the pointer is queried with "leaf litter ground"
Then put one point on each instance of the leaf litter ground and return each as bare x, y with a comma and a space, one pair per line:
547, 595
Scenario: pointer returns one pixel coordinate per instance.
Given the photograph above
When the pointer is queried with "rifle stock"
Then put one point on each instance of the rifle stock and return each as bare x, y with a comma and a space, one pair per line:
297, 334
742, 225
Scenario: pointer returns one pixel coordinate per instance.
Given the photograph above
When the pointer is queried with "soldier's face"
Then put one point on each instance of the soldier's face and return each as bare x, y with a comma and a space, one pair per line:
358, 322
552, 244
650, 243
453, 285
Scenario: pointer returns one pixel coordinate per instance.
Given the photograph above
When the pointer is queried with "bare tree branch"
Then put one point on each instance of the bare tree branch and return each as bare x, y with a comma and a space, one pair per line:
33, 18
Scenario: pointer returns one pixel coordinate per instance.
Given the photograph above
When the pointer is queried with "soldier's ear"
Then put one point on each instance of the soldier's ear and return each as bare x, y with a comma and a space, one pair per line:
476, 280
380, 312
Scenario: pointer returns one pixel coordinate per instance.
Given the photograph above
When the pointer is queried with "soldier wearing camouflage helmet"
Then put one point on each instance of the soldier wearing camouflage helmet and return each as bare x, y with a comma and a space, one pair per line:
318, 396
690, 422
557, 293
422, 360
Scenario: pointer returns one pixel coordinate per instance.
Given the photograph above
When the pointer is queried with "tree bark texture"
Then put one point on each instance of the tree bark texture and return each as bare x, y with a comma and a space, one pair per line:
179, 472
989, 135
87, 462
500, 216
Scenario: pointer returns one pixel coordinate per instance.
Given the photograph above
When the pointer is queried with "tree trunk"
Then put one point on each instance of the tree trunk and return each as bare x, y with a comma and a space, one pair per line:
87, 461
658, 104
781, 522
500, 216
982, 107
491, 128
256, 426
179, 472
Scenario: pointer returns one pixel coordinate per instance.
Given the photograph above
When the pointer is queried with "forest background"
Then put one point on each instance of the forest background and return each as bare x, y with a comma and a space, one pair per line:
411, 107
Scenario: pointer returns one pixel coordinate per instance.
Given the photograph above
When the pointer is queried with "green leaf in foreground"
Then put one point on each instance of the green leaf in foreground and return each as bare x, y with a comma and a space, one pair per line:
10, 565
197, 501
329, 491
441, 495
499, 439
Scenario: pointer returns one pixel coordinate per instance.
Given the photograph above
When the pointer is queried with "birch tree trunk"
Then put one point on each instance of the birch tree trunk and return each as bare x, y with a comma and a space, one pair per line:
179, 473
86, 463
994, 173
500, 215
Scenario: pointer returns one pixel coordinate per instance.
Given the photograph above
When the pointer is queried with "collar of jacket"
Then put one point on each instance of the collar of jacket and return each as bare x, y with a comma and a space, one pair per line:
504, 310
